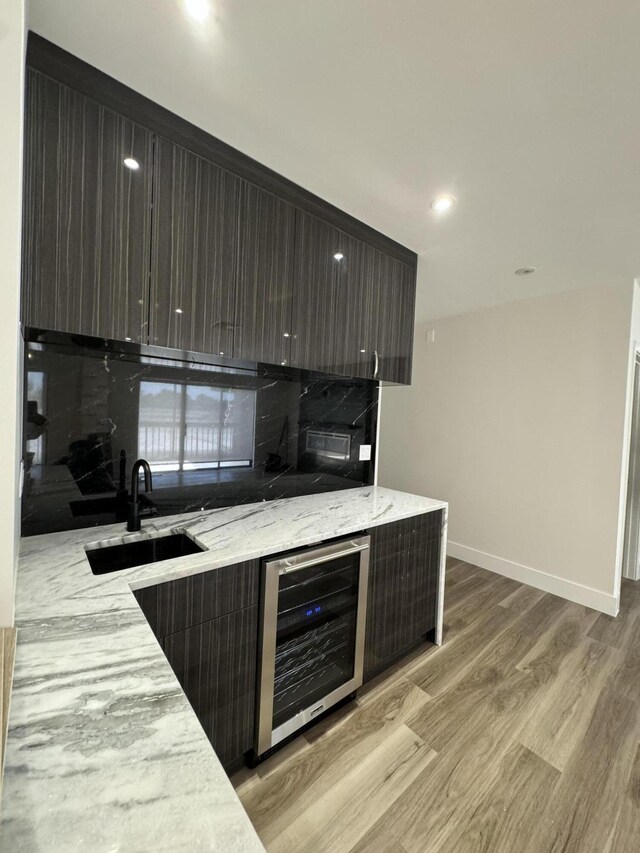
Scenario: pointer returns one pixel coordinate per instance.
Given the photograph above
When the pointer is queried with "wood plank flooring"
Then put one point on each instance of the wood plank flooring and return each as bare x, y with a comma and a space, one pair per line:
521, 733
7, 652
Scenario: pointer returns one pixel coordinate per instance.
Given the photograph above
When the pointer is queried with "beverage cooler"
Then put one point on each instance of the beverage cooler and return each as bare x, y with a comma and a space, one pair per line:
312, 635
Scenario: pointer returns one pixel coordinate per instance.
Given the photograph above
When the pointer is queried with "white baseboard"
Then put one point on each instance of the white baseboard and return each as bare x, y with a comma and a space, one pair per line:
581, 594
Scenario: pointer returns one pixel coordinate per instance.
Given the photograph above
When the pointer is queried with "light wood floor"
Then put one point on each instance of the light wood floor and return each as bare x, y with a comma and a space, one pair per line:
520, 735
7, 651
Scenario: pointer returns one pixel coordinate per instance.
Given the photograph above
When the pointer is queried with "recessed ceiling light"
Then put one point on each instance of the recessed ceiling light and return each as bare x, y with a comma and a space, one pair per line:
127, 339
198, 9
131, 163
286, 335
338, 256
178, 310
443, 203
363, 350
525, 270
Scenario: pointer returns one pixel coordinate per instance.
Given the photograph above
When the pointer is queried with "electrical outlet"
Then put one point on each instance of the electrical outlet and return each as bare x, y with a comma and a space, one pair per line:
430, 336
365, 453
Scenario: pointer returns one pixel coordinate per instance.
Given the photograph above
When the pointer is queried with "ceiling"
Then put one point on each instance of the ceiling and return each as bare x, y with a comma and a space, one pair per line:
528, 112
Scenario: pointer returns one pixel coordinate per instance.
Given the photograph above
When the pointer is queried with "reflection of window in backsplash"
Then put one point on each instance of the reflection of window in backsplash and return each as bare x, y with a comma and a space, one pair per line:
186, 427
35, 416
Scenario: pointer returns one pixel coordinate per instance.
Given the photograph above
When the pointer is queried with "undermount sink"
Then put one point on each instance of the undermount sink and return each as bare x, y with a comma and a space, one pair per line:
114, 558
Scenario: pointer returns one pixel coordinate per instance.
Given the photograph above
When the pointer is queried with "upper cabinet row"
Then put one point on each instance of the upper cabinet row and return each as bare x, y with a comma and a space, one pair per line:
180, 252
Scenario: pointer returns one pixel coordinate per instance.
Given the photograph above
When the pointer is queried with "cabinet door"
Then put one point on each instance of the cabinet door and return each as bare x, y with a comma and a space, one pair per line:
317, 320
353, 305
383, 293
332, 317
215, 663
185, 602
358, 292
264, 288
87, 217
403, 573
375, 307
194, 252
395, 315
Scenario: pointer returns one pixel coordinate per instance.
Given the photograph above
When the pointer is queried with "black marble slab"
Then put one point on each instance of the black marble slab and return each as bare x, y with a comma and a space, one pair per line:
216, 433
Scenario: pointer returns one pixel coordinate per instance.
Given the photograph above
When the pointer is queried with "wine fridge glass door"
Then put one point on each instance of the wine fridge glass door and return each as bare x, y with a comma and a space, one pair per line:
313, 634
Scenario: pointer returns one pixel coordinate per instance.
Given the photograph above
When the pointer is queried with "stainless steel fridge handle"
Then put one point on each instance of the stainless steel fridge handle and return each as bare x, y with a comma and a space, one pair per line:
331, 552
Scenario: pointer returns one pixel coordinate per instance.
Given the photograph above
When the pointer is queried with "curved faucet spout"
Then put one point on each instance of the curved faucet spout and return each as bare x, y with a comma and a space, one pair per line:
133, 522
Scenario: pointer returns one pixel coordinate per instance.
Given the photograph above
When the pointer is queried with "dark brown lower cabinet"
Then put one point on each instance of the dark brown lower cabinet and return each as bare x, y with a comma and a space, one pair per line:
403, 579
207, 626
179, 604
215, 662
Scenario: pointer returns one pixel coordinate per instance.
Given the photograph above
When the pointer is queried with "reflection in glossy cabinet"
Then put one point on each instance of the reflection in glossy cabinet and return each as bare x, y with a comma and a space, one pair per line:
194, 252
264, 287
87, 220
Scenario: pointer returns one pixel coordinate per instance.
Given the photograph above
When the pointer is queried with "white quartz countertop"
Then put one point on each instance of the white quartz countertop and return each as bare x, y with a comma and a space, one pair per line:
104, 752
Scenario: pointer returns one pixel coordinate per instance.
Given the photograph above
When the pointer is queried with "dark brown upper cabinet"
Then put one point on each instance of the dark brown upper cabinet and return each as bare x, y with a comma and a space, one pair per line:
356, 306
194, 252
393, 319
353, 305
199, 248
264, 284
87, 220
318, 301
334, 300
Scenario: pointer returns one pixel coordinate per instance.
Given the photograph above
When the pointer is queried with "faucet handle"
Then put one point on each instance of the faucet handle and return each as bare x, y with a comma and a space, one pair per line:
133, 517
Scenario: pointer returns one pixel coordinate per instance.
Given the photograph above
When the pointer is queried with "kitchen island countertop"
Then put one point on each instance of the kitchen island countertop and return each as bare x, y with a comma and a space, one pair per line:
104, 751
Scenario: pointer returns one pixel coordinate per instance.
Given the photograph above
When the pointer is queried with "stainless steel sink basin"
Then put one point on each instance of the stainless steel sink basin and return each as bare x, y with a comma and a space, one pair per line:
114, 558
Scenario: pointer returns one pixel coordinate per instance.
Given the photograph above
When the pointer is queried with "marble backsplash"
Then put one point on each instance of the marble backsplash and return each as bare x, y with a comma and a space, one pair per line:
215, 433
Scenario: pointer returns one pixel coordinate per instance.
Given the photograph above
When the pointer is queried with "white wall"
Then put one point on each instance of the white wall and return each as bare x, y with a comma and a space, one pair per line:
12, 42
628, 503
516, 416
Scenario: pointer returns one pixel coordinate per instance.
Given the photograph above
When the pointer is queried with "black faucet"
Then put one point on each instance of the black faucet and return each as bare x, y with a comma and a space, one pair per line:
133, 522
